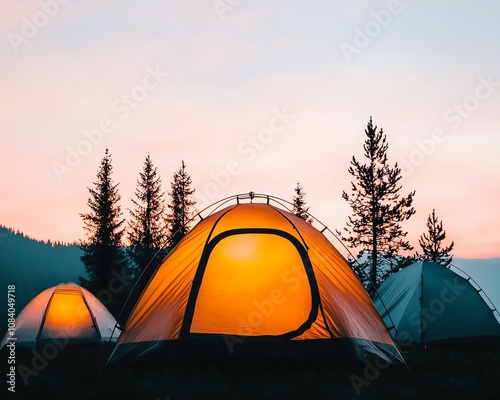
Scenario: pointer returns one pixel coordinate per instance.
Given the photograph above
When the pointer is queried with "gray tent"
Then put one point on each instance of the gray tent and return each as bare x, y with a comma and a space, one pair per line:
63, 312
428, 302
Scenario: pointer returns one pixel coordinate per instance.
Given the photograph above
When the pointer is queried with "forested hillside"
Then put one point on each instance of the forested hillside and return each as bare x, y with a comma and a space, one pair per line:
33, 266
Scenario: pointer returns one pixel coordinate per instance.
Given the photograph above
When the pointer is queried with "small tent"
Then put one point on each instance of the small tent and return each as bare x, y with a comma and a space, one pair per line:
427, 303
66, 311
254, 276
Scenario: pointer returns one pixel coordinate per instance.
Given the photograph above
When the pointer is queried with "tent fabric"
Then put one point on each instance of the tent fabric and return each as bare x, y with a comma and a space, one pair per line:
260, 273
66, 311
428, 303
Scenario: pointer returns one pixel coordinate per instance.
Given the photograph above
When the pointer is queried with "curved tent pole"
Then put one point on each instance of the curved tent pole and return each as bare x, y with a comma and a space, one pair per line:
94, 320
484, 296
42, 323
149, 271
282, 202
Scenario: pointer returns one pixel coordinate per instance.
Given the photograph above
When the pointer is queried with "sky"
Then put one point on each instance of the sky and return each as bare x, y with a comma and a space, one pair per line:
253, 96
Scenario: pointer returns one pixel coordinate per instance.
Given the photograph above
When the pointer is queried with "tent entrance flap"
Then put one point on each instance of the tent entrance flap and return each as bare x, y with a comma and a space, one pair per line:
68, 317
254, 284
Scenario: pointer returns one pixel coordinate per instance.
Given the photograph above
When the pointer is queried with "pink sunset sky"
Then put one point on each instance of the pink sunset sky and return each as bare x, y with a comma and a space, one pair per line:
212, 84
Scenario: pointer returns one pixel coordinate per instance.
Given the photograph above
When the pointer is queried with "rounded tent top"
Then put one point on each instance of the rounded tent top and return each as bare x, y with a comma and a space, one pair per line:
64, 312
428, 302
253, 272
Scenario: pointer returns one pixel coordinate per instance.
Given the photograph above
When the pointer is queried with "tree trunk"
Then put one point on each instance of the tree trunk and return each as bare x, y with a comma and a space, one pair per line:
373, 274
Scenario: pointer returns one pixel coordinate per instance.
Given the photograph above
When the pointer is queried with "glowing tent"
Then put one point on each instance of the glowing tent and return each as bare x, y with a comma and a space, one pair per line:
66, 311
428, 303
254, 276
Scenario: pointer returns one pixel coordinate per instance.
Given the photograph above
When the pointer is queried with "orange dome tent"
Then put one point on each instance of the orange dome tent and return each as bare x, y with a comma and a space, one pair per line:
254, 275
63, 312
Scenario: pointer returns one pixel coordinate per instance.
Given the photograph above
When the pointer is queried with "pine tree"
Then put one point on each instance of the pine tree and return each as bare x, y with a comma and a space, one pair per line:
432, 242
180, 206
374, 227
103, 256
299, 204
147, 231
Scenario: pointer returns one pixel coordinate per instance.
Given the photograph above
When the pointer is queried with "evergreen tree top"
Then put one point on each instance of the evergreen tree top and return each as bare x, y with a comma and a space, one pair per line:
181, 205
432, 242
147, 228
103, 224
299, 204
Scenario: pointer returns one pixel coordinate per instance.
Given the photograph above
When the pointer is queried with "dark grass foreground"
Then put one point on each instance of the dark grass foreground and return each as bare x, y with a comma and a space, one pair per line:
435, 373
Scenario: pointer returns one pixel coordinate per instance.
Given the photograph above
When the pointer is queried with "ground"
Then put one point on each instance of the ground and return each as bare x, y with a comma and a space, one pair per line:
432, 373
